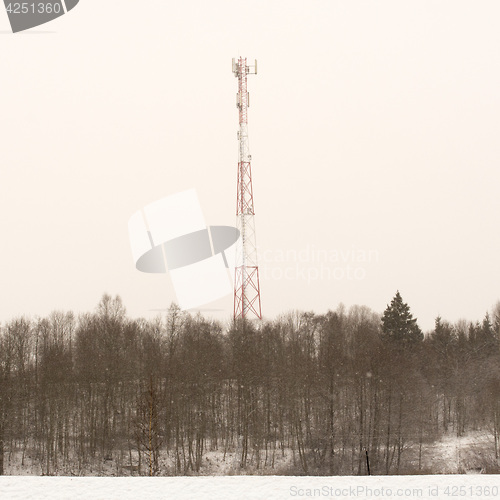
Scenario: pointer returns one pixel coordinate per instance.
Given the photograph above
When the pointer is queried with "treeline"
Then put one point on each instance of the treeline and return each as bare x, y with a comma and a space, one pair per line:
336, 393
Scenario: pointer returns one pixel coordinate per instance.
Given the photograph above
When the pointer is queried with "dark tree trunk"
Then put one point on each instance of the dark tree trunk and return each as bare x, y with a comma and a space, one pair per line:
1, 450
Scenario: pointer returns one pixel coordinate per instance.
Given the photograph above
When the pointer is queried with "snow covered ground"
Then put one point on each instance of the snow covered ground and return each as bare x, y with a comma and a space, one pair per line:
471, 453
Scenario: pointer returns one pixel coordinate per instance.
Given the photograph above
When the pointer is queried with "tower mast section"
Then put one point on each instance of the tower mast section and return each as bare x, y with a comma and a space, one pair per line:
246, 279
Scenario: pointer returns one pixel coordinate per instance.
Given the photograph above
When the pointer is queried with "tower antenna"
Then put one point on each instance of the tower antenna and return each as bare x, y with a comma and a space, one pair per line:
246, 274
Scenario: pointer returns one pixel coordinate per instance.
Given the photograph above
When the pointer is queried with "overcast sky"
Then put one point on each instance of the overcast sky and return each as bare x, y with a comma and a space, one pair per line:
374, 133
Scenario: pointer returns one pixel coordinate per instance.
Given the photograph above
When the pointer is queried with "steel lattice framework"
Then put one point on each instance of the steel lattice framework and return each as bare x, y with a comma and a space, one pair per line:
246, 275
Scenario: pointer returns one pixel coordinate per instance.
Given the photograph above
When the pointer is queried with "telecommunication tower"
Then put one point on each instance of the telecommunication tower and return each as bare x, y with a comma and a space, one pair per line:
246, 275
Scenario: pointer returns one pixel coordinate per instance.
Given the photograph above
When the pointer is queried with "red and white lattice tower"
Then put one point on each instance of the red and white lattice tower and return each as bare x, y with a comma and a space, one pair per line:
246, 275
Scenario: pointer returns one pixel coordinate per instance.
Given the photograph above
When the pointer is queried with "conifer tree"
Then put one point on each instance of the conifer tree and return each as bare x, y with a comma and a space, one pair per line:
398, 325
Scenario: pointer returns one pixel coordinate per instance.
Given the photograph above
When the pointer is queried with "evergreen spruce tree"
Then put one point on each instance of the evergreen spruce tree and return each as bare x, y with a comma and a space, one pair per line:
485, 342
398, 325
444, 337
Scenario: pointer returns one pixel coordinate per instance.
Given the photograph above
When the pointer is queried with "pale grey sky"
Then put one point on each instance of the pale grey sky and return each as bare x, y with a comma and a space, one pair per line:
373, 130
